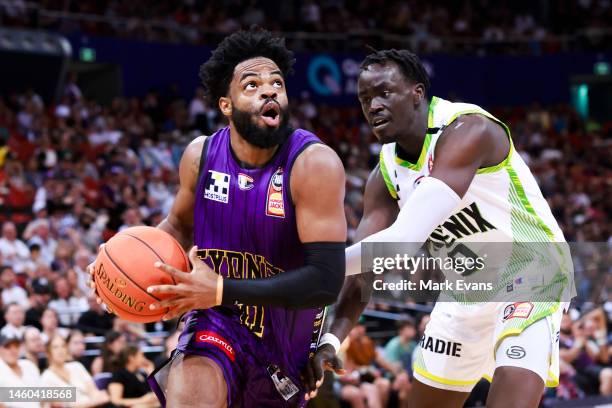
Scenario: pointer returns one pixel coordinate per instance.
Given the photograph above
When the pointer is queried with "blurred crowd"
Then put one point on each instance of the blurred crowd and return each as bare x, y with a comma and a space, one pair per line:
450, 26
74, 173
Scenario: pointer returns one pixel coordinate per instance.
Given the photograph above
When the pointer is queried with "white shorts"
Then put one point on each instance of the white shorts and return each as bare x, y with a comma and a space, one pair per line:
466, 342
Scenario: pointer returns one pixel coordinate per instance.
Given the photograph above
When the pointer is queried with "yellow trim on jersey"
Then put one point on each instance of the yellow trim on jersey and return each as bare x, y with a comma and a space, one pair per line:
487, 377
419, 164
441, 380
386, 177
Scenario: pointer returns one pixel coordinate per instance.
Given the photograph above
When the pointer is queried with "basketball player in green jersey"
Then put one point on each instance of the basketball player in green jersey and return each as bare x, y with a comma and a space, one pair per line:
442, 163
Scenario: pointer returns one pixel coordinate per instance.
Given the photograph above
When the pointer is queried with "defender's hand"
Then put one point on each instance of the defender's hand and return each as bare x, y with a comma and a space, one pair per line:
325, 359
197, 289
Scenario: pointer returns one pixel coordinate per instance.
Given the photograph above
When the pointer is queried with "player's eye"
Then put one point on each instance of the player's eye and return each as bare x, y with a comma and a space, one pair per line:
250, 86
278, 83
386, 93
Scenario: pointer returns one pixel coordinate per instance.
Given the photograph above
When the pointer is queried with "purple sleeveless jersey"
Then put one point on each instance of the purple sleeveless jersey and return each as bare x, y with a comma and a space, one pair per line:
245, 228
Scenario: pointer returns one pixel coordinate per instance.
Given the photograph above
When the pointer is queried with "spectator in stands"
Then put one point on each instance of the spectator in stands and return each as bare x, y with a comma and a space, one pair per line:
587, 350
65, 373
95, 321
128, 386
11, 291
68, 306
107, 362
38, 232
40, 294
363, 380
35, 347
50, 326
15, 372
169, 346
82, 259
14, 251
14, 316
76, 347
398, 351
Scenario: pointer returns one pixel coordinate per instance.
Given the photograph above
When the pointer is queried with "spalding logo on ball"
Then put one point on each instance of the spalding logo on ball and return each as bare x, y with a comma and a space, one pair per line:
124, 270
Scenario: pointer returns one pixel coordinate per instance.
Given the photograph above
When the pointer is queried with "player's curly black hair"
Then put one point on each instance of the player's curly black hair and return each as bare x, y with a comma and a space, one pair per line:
216, 73
409, 63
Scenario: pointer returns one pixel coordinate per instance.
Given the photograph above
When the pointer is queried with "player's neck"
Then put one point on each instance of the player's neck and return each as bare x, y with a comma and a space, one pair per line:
412, 141
247, 154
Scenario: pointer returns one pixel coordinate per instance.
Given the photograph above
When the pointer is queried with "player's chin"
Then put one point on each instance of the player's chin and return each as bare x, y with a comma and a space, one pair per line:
384, 136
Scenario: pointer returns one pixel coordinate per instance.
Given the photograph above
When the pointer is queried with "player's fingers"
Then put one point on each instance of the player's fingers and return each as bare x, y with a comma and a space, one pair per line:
310, 380
172, 313
335, 364
165, 304
172, 271
164, 289
193, 256
317, 368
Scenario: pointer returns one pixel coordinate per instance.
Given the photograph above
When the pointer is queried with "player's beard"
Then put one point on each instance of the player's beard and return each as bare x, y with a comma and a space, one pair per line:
262, 137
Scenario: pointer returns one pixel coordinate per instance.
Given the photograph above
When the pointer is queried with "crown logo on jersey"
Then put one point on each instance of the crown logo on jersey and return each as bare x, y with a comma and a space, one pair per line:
275, 205
245, 182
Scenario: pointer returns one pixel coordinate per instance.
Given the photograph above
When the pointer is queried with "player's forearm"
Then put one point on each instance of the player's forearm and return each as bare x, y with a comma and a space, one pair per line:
315, 284
353, 300
182, 233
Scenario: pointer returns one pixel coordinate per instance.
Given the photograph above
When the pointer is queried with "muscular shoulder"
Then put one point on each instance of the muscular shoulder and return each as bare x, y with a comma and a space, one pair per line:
474, 138
317, 166
190, 161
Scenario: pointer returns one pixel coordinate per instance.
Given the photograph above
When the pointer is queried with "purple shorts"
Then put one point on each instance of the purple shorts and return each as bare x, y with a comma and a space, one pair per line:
252, 373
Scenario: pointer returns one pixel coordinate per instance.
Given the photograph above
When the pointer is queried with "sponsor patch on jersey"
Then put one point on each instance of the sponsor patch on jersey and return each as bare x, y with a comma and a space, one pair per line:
520, 310
275, 205
217, 186
245, 182
213, 338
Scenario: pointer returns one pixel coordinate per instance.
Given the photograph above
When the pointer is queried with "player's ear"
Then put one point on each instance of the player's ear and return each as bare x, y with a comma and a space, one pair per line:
418, 93
225, 106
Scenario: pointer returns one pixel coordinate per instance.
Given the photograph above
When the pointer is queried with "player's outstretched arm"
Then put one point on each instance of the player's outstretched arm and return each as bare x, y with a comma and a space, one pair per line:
179, 222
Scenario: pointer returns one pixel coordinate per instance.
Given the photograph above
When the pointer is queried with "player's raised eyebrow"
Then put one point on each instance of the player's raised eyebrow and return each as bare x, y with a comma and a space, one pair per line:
251, 73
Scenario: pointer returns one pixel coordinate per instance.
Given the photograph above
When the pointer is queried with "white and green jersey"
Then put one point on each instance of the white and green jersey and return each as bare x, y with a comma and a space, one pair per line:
503, 204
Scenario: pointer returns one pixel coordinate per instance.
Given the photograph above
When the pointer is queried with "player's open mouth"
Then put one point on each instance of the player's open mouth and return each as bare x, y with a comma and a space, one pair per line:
379, 123
270, 114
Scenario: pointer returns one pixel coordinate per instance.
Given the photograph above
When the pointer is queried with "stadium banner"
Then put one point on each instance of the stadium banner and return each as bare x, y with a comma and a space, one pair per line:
331, 78
465, 272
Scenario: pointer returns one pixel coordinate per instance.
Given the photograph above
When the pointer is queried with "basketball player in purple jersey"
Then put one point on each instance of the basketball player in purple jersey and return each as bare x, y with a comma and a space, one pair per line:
263, 205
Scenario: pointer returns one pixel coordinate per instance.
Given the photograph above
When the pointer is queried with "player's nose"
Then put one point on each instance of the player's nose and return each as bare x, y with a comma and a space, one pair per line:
268, 92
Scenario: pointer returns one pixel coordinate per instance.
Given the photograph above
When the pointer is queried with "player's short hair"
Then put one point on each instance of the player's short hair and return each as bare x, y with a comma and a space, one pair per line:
409, 63
216, 73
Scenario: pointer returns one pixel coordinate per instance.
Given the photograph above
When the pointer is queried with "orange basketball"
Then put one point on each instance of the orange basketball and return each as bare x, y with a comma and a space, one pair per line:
124, 270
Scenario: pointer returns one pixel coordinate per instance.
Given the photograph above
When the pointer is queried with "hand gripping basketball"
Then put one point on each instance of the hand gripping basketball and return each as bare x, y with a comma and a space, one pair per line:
199, 289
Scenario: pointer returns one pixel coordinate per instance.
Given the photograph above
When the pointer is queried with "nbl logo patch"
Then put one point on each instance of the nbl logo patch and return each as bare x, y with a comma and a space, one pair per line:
217, 186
